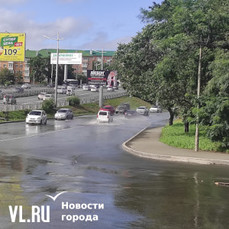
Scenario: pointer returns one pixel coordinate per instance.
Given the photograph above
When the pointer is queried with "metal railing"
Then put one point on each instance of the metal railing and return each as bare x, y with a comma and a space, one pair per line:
62, 102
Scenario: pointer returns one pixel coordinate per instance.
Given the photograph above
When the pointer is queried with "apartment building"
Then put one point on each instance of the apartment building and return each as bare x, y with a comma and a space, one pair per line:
90, 60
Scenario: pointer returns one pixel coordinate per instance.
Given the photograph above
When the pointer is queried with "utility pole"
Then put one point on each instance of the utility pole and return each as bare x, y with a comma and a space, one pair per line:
57, 63
198, 104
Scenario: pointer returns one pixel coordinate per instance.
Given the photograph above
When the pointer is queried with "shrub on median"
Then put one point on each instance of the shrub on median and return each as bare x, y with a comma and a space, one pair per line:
74, 101
48, 106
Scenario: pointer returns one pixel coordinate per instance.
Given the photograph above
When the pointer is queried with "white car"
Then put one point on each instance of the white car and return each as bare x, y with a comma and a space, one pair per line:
86, 87
94, 88
155, 109
48, 96
104, 116
110, 89
142, 110
41, 95
63, 114
26, 86
61, 89
36, 117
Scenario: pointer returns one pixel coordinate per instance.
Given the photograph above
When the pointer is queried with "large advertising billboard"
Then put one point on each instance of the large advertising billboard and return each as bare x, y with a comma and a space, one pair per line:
100, 77
66, 58
12, 46
97, 77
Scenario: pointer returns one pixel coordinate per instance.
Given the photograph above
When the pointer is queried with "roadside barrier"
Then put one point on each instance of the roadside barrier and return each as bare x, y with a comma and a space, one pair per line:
62, 102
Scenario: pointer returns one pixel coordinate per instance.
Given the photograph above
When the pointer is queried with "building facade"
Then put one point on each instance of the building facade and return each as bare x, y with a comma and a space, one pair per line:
91, 60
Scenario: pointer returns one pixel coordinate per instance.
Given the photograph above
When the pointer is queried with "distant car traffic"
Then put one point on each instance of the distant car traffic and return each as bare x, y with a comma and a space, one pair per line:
61, 89
36, 117
18, 89
70, 90
48, 96
9, 99
108, 108
26, 86
86, 87
94, 88
142, 110
104, 116
155, 109
63, 114
110, 89
41, 95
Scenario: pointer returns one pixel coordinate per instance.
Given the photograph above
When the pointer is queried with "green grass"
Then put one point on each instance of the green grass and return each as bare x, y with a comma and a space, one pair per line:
84, 109
175, 136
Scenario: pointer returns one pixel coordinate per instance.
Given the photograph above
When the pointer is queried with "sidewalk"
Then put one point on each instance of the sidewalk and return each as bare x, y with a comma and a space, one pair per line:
146, 144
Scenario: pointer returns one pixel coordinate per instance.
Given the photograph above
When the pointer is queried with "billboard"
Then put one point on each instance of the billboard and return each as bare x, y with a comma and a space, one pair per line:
97, 77
12, 46
66, 58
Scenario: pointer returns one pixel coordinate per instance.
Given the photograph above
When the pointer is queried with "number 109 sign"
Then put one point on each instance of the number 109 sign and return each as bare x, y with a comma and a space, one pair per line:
12, 46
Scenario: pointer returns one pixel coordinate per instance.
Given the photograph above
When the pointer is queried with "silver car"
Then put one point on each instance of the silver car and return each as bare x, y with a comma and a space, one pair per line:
63, 114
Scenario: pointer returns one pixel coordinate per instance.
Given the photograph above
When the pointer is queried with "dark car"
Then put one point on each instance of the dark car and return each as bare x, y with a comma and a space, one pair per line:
19, 90
122, 108
108, 108
130, 114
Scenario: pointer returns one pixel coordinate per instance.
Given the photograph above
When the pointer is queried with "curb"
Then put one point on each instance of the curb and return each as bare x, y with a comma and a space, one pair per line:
171, 158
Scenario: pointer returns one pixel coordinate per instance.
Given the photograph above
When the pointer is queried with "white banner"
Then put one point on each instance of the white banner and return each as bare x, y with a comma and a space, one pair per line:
66, 58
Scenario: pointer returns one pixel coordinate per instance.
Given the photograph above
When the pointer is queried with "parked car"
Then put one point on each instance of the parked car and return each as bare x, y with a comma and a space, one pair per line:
41, 95
108, 108
63, 114
155, 109
9, 99
130, 114
142, 110
48, 96
104, 116
26, 86
86, 87
94, 88
36, 117
122, 108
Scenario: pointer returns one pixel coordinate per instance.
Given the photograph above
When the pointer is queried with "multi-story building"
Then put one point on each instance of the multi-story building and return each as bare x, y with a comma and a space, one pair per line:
90, 60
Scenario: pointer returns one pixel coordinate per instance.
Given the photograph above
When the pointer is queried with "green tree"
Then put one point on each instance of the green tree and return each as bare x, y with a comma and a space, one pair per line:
6, 77
40, 69
161, 62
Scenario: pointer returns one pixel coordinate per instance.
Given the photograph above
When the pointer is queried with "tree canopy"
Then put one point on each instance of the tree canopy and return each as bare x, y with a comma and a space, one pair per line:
161, 62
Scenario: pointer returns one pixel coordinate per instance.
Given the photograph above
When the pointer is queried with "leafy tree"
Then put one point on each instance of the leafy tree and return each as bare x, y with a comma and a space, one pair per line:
6, 77
40, 69
161, 62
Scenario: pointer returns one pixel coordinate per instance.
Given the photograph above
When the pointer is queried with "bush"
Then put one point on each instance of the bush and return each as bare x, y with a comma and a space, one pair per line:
74, 101
48, 106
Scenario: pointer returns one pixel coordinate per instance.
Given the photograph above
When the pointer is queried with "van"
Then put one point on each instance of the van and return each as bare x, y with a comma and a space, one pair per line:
70, 90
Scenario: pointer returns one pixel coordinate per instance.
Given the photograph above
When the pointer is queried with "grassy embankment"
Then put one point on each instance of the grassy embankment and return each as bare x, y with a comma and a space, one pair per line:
84, 109
175, 136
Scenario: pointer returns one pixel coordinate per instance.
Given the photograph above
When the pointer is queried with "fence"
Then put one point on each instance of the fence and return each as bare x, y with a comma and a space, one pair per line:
62, 103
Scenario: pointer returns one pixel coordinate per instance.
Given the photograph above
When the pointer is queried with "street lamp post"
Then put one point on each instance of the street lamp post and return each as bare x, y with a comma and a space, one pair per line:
57, 63
198, 105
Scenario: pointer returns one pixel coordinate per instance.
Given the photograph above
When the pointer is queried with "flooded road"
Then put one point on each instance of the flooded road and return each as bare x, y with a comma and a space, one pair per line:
114, 189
